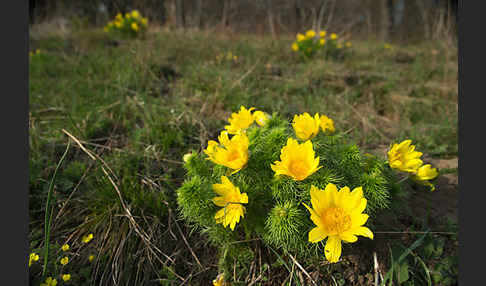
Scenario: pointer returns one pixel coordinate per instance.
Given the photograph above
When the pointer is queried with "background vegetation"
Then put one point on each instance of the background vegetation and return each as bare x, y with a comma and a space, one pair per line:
132, 109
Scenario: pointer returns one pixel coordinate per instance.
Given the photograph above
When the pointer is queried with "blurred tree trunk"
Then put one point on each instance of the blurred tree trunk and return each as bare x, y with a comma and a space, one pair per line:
299, 15
271, 24
224, 17
197, 14
170, 9
179, 10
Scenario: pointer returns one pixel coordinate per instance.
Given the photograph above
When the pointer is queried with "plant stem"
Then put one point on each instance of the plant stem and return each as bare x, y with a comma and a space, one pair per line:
47, 218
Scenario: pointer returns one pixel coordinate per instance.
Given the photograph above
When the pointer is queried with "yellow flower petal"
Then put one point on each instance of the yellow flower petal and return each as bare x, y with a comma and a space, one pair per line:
332, 250
317, 234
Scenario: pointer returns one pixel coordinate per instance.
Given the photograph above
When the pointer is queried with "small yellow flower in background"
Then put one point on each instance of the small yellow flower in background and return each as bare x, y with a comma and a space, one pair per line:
105, 29
135, 14
260, 117
66, 277
186, 157
233, 153
37, 51
300, 37
65, 247
305, 126
297, 160
31, 53
91, 257
310, 34
127, 15
348, 45
334, 36
64, 260
219, 281
118, 24
240, 120
87, 238
134, 26
327, 124
322, 33
33, 257
404, 157
119, 17
295, 47
337, 216
144, 21
49, 282
339, 46
231, 200
322, 42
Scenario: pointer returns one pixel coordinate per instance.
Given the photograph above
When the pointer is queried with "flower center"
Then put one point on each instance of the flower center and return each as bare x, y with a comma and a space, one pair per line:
298, 168
336, 220
233, 155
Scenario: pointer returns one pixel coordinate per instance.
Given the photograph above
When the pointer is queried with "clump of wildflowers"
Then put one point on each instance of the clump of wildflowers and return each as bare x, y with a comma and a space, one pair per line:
309, 44
262, 180
132, 24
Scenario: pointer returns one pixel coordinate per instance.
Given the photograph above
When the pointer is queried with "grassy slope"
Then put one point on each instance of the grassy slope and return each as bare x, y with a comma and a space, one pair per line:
140, 105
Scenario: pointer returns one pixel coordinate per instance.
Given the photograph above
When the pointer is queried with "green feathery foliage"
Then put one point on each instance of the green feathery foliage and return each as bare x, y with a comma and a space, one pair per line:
274, 212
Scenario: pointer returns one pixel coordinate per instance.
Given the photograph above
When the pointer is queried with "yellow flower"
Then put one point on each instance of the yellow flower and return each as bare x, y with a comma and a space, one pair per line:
300, 37
186, 157
322, 42
305, 126
105, 29
127, 15
219, 281
49, 282
348, 44
322, 33
134, 26
240, 120
295, 47
118, 24
144, 21
135, 14
65, 247
66, 277
260, 117
337, 216
231, 200
87, 238
33, 257
387, 46
119, 17
296, 160
310, 34
91, 257
425, 173
404, 157
334, 36
326, 124
37, 51
31, 53
339, 46
64, 260
233, 153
